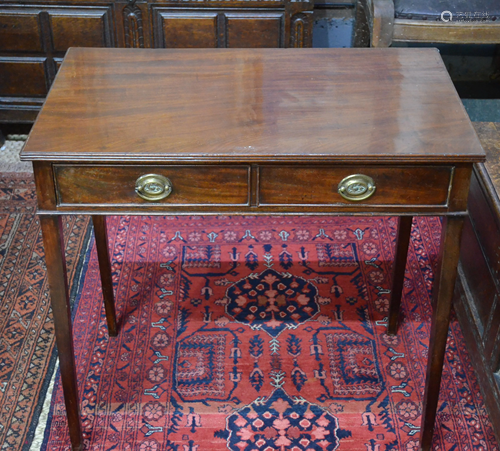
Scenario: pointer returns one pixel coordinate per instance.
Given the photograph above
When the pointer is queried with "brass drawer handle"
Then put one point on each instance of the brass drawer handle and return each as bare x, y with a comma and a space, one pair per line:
153, 187
357, 187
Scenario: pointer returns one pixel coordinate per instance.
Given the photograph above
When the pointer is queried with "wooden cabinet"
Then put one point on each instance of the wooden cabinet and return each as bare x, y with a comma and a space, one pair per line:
477, 300
35, 37
33, 41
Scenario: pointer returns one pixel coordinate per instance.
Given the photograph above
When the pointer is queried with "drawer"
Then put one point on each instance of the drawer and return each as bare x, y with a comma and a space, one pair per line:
116, 185
315, 185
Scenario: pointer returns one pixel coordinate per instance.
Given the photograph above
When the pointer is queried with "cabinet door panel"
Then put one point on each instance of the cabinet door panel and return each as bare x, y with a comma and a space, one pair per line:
254, 29
80, 28
478, 276
187, 30
23, 77
20, 31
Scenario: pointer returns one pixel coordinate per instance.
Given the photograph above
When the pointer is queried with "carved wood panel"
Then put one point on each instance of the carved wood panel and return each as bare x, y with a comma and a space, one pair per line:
20, 31
255, 29
49, 28
202, 28
185, 29
24, 76
133, 26
300, 30
81, 27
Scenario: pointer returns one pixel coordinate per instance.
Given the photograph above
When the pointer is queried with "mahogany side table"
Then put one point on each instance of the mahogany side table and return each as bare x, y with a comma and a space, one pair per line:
319, 131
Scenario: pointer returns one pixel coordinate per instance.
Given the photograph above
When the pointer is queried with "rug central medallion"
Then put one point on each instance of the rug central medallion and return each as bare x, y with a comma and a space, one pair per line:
272, 301
280, 422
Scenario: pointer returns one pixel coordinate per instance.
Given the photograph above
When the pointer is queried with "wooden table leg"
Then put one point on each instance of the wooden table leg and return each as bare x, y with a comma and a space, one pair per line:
398, 279
444, 285
53, 243
101, 241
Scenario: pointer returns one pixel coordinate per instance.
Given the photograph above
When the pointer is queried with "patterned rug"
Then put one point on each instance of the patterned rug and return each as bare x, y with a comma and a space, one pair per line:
27, 357
264, 334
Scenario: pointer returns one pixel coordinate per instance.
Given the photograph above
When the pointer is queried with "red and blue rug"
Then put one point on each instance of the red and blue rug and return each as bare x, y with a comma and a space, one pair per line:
27, 348
247, 333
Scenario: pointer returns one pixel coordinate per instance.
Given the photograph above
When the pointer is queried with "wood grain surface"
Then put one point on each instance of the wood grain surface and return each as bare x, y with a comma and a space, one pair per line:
253, 104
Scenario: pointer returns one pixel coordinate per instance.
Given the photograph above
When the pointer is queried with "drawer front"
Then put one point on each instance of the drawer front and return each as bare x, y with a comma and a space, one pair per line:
115, 185
395, 185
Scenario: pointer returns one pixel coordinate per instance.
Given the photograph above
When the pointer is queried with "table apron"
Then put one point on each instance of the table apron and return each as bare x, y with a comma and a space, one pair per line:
252, 190
431, 211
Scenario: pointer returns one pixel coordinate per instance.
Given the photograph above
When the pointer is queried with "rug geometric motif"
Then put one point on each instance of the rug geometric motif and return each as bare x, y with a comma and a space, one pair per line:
353, 365
210, 356
272, 301
200, 367
281, 422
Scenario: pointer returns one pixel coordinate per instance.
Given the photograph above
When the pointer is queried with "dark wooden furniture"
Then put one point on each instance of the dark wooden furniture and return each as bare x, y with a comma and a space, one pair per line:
253, 132
379, 23
477, 301
34, 36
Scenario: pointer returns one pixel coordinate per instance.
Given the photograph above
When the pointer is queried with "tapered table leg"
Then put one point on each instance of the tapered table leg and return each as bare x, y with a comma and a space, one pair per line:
444, 284
398, 280
52, 232
101, 241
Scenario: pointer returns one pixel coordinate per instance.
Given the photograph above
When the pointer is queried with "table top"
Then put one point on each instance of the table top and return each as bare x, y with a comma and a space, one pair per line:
146, 105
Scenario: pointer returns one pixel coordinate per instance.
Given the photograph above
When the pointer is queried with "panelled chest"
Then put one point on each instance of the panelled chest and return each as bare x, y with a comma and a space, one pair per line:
34, 36
477, 300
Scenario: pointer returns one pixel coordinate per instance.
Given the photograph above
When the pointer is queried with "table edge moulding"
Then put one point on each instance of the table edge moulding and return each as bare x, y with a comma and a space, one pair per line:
253, 131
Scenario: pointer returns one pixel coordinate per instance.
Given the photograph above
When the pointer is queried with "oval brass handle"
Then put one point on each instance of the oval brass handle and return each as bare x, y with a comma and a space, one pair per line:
357, 187
153, 187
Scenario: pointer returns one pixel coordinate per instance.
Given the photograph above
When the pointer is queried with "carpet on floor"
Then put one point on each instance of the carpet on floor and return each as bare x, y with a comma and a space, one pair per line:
27, 356
248, 333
